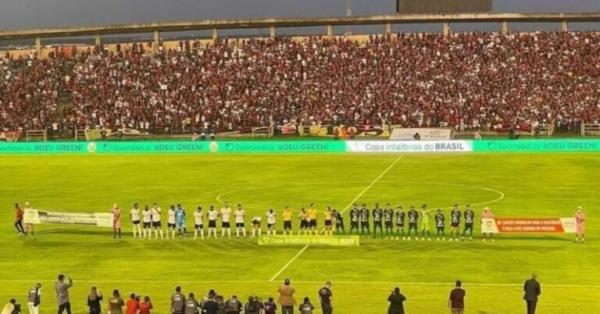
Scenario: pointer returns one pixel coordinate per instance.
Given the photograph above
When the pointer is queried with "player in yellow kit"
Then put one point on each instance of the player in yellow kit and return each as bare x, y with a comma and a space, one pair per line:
287, 221
328, 221
311, 213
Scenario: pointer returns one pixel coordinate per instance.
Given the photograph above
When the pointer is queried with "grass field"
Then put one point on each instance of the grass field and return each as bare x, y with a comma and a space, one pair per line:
534, 185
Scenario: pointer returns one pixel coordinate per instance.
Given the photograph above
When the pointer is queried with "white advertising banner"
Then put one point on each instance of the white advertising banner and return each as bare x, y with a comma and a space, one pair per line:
426, 134
34, 216
409, 146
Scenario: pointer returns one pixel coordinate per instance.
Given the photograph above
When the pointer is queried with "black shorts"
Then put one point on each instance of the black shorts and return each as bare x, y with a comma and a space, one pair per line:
136, 222
412, 225
270, 226
312, 223
171, 226
198, 227
156, 224
328, 223
377, 224
354, 224
455, 224
225, 225
287, 225
469, 226
147, 225
399, 225
239, 225
212, 223
364, 224
388, 224
303, 224
440, 229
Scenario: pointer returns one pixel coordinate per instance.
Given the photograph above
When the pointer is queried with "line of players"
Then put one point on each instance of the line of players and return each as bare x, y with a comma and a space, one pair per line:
388, 221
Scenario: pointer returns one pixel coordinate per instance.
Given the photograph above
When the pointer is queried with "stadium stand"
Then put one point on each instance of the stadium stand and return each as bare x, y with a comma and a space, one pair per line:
467, 81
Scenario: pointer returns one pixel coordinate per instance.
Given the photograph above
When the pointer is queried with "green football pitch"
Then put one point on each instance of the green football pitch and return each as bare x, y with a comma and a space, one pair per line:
512, 185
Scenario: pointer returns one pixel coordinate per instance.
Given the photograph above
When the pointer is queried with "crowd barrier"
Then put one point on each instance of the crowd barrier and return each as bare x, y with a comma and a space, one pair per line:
301, 146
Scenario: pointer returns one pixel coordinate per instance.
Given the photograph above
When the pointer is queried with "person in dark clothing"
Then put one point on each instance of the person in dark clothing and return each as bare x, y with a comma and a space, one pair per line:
457, 299
253, 306
93, 301
532, 290
270, 306
210, 306
325, 296
396, 300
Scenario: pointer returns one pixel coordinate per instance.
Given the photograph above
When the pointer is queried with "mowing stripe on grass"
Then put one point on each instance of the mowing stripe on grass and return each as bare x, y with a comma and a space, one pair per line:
368, 187
347, 282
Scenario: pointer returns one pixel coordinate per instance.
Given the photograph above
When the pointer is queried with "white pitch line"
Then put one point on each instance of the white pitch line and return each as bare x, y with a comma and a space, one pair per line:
368, 187
288, 263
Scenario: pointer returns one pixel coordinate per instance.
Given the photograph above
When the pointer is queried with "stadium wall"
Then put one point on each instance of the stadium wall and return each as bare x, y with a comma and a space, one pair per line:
301, 147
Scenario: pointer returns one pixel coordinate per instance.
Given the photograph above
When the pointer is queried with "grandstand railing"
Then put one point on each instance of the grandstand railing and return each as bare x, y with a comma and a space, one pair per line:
273, 23
36, 135
590, 129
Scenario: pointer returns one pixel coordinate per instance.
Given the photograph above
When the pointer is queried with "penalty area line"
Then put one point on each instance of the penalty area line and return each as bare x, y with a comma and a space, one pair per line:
358, 196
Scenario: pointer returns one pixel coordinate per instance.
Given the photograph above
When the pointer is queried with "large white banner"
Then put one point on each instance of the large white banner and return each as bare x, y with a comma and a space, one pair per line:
529, 225
409, 146
34, 216
409, 134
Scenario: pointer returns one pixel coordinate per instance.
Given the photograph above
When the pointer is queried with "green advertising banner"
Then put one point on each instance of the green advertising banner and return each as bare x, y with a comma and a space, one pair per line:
542, 146
299, 147
307, 239
43, 148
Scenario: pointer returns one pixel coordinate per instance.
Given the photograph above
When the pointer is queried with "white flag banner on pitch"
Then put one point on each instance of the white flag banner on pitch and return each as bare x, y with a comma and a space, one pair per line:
35, 216
488, 225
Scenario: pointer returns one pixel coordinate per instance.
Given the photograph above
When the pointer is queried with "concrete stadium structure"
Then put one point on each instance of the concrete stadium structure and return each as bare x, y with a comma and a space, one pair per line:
273, 24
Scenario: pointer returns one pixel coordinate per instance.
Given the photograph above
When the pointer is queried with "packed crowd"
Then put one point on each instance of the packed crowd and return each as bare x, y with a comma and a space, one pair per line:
467, 80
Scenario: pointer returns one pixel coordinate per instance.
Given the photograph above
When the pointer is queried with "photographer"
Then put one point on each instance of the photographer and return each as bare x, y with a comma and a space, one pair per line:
12, 307
396, 300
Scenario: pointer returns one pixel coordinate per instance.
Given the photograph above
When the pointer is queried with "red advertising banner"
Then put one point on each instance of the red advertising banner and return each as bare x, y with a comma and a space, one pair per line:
533, 225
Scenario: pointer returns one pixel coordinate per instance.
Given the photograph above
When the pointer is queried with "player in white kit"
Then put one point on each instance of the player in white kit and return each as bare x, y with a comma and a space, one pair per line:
171, 222
225, 215
240, 216
147, 222
271, 220
134, 214
212, 221
199, 223
156, 223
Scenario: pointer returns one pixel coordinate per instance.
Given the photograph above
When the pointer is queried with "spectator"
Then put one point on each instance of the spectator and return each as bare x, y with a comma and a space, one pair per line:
270, 307
221, 309
286, 297
146, 306
233, 306
253, 306
532, 290
306, 307
62, 287
116, 303
94, 301
133, 304
396, 300
457, 299
325, 296
34, 298
177, 302
12, 307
